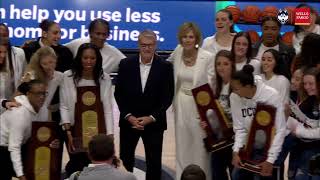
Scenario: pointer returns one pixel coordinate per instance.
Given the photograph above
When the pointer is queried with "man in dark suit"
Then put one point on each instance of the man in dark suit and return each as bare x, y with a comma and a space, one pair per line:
144, 91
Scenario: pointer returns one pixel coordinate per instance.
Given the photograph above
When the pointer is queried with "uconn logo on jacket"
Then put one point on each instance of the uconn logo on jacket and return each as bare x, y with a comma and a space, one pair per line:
248, 112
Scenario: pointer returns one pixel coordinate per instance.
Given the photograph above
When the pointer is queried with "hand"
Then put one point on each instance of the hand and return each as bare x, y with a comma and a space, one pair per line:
236, 161
203, 125
55, 144
145, 120
22, 178
135, 123
10, 104
70, 142
266, 168
111, 136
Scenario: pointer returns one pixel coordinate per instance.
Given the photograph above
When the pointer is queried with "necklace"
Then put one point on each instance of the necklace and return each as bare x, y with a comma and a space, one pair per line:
189, 59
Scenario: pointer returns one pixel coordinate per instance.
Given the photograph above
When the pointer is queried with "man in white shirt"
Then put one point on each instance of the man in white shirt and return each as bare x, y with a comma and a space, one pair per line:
15, 130
144, 91
99, 32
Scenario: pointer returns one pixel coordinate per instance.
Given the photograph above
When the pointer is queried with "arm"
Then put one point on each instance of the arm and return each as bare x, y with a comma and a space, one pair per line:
280, 125
119, 92
167, 92
107, 105
239, 128
308, 133
63, 93
284, 90
16, 136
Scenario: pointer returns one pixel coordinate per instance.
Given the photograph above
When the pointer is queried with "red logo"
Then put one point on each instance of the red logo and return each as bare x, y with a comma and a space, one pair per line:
302, 16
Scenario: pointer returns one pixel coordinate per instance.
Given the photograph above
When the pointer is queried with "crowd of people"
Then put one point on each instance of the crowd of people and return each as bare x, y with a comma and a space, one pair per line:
41, 80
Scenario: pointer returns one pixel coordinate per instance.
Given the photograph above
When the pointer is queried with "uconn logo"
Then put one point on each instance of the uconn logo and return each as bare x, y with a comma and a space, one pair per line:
247, 112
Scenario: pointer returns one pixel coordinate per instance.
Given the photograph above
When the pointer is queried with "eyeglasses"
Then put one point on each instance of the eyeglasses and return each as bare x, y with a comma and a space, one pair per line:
145, 46
39, 94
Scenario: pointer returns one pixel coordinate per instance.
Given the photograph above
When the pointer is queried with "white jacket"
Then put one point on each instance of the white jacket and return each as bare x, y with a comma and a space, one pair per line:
68, 99
15, 130
203, 66
19, 64
243, 109
111, 56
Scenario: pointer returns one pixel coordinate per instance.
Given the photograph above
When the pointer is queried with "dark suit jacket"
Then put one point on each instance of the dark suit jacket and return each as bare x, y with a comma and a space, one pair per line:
155, 99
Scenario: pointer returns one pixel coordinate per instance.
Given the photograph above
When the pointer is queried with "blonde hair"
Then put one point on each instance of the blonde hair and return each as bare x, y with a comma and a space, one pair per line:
34, 66
185, 28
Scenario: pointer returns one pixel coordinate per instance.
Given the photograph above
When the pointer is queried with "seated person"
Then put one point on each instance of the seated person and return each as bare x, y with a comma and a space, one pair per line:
193, 172
102, 154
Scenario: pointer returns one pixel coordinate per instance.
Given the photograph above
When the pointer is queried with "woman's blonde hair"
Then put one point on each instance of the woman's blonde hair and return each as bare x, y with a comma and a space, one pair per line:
34, 66
190, 26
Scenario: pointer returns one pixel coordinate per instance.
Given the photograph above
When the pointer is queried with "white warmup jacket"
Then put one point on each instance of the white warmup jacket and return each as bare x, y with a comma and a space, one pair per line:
68, 99
243, 110
15, 130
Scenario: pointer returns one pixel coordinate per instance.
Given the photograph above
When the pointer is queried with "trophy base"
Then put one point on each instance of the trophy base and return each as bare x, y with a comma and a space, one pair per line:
251, 167
212, 146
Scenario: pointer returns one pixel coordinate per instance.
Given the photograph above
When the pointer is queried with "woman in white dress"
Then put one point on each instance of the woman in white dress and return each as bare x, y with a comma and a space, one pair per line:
273, 73
191, 65
241, 51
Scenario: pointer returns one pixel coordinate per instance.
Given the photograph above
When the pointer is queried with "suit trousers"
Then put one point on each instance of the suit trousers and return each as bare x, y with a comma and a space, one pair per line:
152, 141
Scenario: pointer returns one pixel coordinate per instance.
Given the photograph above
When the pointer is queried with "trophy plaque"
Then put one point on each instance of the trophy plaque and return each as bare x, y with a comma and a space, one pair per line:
259, 138
219, 130
89, 117
43, 162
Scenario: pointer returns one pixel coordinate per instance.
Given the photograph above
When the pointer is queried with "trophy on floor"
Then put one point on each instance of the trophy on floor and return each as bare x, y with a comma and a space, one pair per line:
43, 162
219, 130
89, 117
259, 138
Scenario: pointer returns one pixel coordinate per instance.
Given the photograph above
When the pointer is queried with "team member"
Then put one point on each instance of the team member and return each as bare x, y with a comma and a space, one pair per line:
99, 32
246, 94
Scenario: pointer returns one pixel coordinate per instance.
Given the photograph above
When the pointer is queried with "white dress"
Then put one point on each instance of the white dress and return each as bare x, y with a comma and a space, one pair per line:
189, 135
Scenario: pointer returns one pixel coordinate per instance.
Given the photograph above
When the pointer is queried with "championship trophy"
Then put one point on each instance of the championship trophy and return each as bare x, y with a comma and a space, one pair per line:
259, 138
219, 130
89, 117
43, 162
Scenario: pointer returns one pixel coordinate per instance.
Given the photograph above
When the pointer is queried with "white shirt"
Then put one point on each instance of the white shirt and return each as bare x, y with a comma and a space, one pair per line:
243, 110
68, 99
263, 48
255, 63
19, 63
15, 130
298, 38
111, 56
281, 84
144, 72
210, 44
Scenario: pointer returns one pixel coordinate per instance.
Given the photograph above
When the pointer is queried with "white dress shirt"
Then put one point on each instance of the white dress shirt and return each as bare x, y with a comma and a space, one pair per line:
15, 130
144, 72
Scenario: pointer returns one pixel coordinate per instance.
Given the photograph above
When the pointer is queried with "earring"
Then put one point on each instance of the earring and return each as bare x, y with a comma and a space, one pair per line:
196, 46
